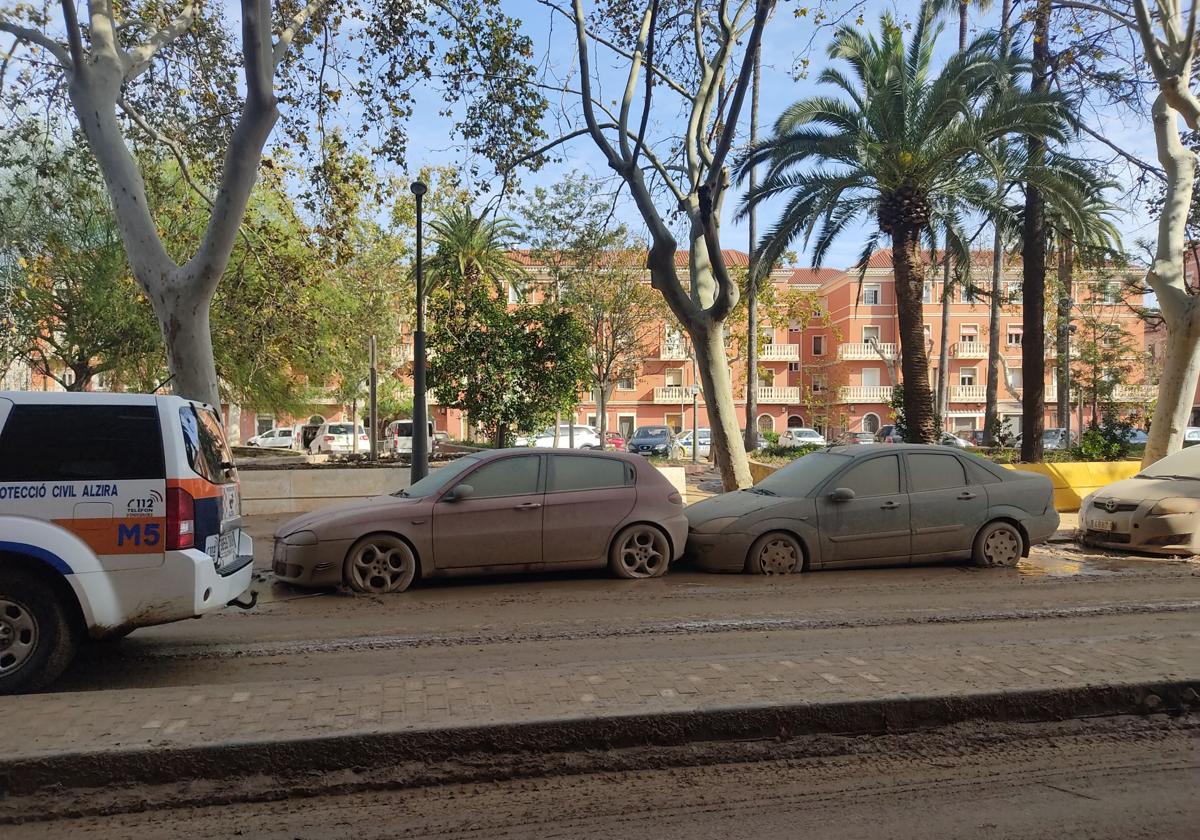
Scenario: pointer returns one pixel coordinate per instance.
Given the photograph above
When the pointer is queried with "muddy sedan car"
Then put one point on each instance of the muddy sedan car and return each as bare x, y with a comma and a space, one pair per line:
874, 505
505, 510
1157, 511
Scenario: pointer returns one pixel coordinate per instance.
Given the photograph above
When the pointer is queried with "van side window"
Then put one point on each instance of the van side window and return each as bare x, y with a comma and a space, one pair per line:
81, 443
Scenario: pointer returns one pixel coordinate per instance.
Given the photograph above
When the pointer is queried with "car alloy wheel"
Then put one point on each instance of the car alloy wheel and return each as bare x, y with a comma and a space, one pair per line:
776, 554
640, 551
379, 564
18, 635
998, 545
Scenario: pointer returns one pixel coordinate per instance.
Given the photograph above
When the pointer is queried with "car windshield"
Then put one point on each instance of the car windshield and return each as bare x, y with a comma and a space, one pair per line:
439, 478
808, 433
1184, 465
803, 475
1051, 434
651, 433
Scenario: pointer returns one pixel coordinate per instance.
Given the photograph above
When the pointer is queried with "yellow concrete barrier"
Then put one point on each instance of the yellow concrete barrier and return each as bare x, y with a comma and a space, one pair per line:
1076, 479
759, 470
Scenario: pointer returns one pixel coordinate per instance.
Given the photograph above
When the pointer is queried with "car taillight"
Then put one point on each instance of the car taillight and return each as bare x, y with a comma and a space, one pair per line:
181, 519
328, 437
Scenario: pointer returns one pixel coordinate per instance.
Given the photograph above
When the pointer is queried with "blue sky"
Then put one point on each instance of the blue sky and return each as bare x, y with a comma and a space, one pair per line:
786, 36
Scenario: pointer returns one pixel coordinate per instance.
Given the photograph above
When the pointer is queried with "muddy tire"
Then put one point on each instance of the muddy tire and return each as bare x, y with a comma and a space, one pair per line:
639, 551
775, 554
998, 544
379, 564
37, 641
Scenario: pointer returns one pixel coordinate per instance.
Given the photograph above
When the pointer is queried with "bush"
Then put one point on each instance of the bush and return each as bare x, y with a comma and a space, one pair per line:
1107, 441
776, 452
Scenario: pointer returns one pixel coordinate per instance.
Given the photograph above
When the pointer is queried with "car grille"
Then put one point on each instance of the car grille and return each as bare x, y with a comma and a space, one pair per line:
1107, 536
1120, 507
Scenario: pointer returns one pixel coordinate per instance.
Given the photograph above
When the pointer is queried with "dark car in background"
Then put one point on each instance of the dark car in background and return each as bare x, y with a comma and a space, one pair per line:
654, 440
874, 505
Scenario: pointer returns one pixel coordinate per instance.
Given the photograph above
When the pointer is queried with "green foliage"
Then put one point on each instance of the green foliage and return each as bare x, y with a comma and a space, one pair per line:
1107, 440
896, 405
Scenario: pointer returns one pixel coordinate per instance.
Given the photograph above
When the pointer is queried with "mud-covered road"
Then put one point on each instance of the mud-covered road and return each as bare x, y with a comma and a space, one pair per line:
1107, 778
552, 619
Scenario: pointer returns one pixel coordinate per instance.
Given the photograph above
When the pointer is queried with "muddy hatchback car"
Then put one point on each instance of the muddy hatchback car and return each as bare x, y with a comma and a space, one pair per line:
507, 510
874, 505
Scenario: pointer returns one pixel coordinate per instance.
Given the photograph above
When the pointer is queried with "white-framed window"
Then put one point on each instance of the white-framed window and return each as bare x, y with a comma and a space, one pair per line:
766, 379
674, 377
818, 345
1014, 336
968, 333
872, 294
870, 334
870, 422
966, 376
766, 423
795, 326
926, 294
818, 383
516, 294
1016, 378
794, 367
1109, 291
626, 383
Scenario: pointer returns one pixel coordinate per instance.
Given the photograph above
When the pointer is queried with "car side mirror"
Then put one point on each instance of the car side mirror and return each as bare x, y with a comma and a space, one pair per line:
462, 491
842, 494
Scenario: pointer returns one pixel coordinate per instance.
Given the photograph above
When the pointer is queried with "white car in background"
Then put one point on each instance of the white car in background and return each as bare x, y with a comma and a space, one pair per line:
338, 439
586, 437
685, 440
273, 439
802, 437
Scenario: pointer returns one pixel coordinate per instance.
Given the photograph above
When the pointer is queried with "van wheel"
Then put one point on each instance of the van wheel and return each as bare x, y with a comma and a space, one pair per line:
998, 544
380, 563
639, 551
37, 642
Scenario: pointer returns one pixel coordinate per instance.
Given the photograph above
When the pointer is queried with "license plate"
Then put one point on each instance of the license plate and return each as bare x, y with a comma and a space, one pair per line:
231, 502
1101, 524
223, 549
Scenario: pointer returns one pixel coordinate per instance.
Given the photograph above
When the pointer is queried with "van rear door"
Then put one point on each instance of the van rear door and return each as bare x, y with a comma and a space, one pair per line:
212, 492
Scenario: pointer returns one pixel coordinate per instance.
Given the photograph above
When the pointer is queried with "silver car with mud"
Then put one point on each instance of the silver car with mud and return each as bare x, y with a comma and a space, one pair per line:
873, 505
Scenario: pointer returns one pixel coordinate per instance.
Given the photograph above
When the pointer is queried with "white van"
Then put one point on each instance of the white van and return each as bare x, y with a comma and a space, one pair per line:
117, 511
398, 437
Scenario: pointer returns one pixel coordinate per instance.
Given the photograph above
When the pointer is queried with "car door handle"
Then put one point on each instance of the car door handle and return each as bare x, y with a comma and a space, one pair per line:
889, 506
966, 497
528, 506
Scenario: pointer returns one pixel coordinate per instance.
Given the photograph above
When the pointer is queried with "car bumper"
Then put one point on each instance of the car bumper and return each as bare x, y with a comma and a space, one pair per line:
724, 552
1171, 534
314, 566
1041, 528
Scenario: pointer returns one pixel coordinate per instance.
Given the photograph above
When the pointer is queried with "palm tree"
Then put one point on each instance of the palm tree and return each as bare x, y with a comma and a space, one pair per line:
899, 140
469, 249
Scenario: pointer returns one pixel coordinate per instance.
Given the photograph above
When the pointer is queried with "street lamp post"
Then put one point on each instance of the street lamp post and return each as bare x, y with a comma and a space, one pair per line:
420, 432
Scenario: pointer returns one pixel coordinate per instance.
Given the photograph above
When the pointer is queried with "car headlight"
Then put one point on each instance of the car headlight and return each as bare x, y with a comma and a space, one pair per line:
301, 538
715, 526
1179, 504
662, 447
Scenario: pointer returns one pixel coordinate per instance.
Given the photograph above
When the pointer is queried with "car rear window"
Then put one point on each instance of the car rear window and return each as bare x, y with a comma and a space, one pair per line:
81, 443
204, 443
340, 429
934, 471
573, 472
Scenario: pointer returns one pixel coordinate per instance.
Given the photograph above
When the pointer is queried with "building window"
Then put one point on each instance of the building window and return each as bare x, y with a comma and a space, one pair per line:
626, 383
966, 376
1014, 336
818, 345
871, 294
818, 383
674, 377
1016, 378
870, 334
794, 367
870, 422
515, 293
969, 334
766, 423
795, 326
927, 292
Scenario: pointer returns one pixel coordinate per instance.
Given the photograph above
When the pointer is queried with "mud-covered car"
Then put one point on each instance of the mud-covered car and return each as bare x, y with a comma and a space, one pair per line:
505, 510
874, 505
1156, 511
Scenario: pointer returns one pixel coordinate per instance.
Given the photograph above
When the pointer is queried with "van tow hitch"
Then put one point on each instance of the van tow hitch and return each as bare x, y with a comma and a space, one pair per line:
245, 605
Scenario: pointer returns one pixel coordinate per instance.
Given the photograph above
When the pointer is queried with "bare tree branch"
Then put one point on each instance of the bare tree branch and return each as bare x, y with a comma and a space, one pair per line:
294, 26
74, 39
141, 56
32, 36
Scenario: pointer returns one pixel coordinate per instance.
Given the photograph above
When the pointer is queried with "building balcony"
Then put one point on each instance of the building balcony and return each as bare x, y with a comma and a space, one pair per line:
1135, 393
968, 393
863, 352
779, 353
778, 396
969, 350
673, 351
865, 394
674, 395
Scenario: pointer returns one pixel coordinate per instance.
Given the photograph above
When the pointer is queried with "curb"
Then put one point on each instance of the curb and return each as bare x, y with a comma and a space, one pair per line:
24, 776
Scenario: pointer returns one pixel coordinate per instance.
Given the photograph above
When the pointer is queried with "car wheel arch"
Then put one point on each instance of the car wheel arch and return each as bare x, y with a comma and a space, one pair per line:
638, 521
424, 568
806, 551
66, 593
1011, 520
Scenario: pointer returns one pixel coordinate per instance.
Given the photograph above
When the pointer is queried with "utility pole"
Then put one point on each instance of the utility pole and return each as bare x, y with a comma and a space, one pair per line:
373, 385
420, 438
750, 436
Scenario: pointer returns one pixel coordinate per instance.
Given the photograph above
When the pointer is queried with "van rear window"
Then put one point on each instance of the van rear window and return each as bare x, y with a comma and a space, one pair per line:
204, 441
81, 443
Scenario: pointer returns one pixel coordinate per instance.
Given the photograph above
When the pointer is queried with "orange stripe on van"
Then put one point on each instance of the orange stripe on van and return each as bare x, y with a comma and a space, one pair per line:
119, 536
198, 488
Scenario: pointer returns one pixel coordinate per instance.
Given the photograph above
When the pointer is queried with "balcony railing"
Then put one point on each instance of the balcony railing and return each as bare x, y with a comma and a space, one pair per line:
970, 350
674, 394
673, 351
864, 351
968, 393
778, 396
865, 394
1135, 393
779, 353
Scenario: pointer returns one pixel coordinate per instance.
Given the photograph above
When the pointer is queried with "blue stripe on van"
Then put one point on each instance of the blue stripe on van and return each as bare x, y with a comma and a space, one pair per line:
47, 557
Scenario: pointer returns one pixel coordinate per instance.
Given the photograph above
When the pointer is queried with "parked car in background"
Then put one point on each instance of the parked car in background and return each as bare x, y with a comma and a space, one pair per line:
705, 436
1054, 439
273, 439
1138, 437
1156, 511
802, 437
505, 510
586, 437
654, 440
867, 505
856, 438
440, 439
397, 437
119, 511
948, 439
338, 439
1191, 436
614, 440
303, 435
888, 434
